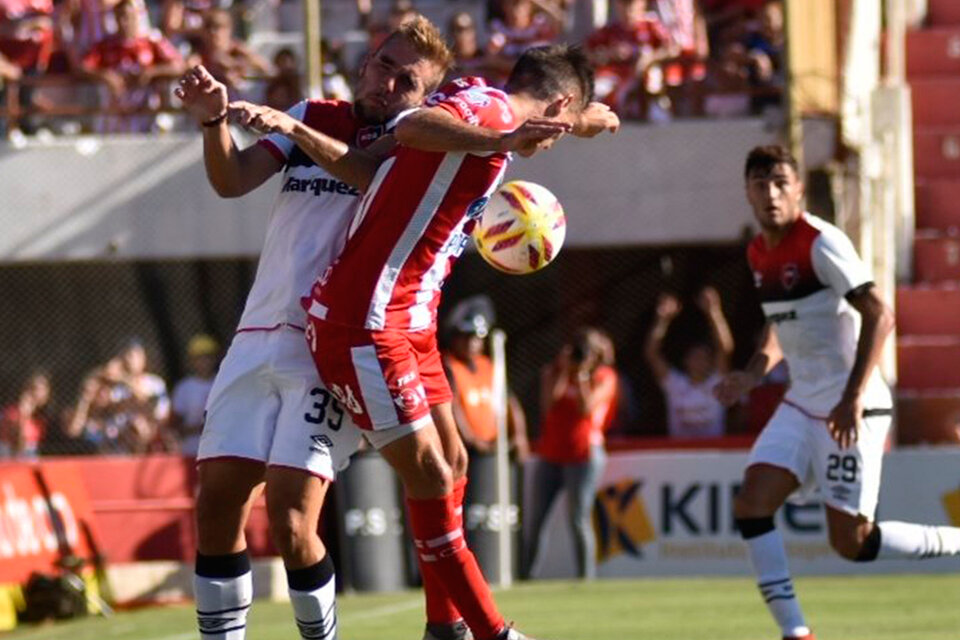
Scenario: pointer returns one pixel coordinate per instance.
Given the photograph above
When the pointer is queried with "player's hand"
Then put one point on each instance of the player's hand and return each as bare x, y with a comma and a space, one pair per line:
734, 386
203, 96
595, 119
533, 135
668, 307
261, 119
844, 421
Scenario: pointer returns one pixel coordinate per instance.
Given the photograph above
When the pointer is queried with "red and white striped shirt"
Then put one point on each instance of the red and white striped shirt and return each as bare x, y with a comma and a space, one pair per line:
413, 223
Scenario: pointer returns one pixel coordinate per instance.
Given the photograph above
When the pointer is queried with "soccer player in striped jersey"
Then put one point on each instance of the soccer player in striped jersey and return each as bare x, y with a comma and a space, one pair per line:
828, 321
372, 324
269, 418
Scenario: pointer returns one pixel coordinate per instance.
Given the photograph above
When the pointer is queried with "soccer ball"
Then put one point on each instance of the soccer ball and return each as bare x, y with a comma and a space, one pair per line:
521, 228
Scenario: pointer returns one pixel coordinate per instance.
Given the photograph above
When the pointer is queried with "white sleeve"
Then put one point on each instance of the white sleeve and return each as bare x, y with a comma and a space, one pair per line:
673, 384
283, 144
836, 262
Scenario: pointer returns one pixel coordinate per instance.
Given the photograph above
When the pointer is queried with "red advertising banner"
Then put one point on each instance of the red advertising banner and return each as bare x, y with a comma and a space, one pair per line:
41, 509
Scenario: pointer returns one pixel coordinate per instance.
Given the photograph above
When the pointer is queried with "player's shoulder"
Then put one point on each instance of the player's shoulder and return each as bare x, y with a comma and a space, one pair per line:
827, 234
335, 118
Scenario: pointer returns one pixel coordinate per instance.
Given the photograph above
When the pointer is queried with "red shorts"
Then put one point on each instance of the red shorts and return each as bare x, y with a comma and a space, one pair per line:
385, 379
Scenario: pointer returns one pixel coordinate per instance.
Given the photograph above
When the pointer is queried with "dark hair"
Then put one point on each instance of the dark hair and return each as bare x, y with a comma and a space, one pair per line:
763, 159
543, 72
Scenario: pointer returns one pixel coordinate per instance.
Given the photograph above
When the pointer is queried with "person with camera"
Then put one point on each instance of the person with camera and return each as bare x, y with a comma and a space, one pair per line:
578, 398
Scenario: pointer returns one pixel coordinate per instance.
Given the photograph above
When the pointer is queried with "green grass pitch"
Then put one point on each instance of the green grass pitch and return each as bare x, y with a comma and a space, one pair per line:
896, 607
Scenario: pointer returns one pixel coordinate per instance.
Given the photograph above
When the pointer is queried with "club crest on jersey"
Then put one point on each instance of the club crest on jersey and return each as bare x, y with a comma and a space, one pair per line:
476, 207
368, 135
410, 398
790, 275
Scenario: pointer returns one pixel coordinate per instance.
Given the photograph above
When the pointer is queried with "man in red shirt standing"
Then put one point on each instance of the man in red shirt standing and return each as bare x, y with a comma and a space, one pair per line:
26, 36
127, 62
624, 50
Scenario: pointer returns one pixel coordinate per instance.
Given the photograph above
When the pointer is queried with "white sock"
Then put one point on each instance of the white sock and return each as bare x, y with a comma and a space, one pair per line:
769, 559
917, 541
223, 589
313, 593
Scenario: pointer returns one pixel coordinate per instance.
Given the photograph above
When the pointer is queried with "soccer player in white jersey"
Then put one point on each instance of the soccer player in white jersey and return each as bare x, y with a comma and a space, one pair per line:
828, 321
269, 418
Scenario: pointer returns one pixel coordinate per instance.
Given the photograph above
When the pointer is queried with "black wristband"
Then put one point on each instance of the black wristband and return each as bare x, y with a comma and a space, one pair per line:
215, 121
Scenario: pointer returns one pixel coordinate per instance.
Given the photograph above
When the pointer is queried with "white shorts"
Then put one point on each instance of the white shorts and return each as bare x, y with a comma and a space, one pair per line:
268, 404
847, 479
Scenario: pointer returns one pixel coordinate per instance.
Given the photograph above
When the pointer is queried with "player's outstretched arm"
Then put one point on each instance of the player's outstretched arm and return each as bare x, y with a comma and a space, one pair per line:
595, 119
736, 383
231, 172
436, 129
877, 323
354, 166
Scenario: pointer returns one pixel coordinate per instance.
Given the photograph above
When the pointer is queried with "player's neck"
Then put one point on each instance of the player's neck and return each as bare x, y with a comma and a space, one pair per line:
773, 236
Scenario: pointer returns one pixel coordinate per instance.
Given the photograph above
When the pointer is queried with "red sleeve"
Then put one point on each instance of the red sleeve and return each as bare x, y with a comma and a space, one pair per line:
94, 58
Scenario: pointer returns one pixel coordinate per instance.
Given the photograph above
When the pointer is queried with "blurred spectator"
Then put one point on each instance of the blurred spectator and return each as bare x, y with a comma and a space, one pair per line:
765, 49
401, 12
334, 80
86, 22
26, 37
525, 24
692, 409
470, 373
578, 396
190, 394
127, 63
469, 57
229, 60
24, 424
101, 421
684, 74
182, 21
284, 89
149, 393
624, 52
727, 87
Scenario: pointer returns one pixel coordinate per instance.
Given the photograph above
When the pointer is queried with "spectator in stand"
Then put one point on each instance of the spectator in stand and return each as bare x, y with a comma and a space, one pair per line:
334, 80
727, 88
692, 409
23, 425
149, 402
182, 21
684, 75
284, 89
525, 24
229, 60
26, 37
401, 12
624, 53
100, 421
128, 63
765, 49
26, 42
469, 57
578, 398
190, 394
470, 373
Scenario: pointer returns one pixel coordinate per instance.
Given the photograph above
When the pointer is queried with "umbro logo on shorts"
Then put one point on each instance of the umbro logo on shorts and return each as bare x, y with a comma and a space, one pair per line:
321, 443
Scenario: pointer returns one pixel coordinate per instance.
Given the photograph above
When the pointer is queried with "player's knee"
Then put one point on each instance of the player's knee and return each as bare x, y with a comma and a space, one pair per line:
749, 504
217, 502
290, 528
435, 474
857, 543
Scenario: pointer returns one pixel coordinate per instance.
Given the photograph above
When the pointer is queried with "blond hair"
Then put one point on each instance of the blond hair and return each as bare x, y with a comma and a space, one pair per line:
426, 40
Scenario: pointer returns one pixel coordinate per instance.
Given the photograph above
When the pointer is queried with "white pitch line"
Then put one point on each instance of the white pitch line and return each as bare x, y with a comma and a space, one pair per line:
379, 612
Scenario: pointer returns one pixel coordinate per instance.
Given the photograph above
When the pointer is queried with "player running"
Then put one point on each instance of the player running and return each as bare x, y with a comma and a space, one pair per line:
269, 419
826, 318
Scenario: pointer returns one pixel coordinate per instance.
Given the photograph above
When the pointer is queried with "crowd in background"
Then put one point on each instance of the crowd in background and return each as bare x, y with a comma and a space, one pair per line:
122, 406
107, 65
